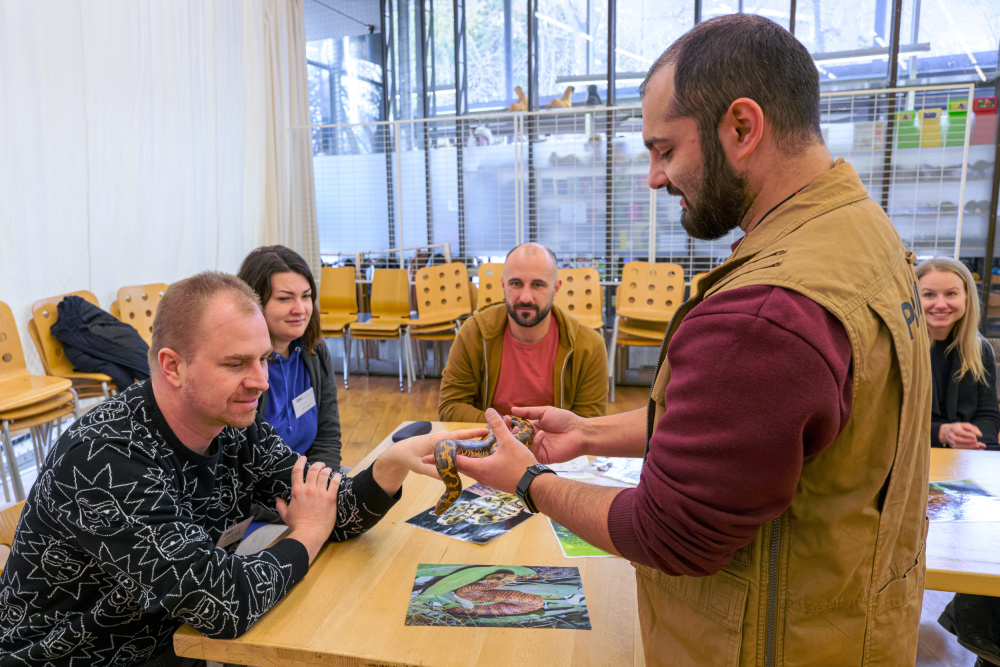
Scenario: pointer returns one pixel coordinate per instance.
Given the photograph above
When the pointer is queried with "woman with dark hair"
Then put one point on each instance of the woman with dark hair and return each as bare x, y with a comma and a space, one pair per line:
301, 403
964, 415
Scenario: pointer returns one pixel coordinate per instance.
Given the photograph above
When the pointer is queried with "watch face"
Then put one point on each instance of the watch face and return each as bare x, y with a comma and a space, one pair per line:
538, 468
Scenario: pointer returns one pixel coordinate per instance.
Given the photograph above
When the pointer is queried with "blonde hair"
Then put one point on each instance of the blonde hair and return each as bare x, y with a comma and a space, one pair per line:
965, 332
178, 321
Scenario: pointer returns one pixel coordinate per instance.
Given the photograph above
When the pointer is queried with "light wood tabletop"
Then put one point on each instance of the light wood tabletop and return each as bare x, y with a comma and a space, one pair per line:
350, 608
964, 556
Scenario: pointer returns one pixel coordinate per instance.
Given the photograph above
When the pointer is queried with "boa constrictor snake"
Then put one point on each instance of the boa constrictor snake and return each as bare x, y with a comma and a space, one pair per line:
446, 450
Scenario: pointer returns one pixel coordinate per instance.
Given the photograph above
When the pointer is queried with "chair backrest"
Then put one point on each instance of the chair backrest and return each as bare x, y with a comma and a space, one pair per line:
11, 352
338, 292
443, 291
490, 289
695, 279
137, 306
581, 295
650, 291
8, 522
390, 293
45, 313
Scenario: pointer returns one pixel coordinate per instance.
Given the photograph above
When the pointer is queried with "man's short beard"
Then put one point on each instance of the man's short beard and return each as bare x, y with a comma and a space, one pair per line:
540, 314
723, 197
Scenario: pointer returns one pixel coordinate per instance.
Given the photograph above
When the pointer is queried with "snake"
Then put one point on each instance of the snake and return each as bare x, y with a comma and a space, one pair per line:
445, 452
502, 602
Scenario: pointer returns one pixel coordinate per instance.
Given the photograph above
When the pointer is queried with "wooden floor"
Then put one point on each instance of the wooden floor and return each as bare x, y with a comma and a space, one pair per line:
374, 406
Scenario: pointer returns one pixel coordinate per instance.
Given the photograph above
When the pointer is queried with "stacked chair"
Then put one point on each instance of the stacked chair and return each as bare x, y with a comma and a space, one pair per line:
338, 306
27, 401
582, 296
443, 300
137, 306
490, 290
45, 313
390, 317
649, 295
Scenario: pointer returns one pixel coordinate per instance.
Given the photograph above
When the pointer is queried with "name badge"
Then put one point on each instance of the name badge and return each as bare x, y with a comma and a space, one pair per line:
304, 402
233, 533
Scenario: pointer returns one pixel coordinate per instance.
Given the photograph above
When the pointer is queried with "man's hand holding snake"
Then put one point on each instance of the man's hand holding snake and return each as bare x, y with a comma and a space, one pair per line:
559, 434
503, 469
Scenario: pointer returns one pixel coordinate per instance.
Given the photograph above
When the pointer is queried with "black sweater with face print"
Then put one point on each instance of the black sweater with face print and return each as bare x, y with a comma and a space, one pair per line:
117, 543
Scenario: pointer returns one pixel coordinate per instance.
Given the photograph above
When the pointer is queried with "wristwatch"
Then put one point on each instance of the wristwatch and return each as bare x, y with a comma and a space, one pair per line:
523, 487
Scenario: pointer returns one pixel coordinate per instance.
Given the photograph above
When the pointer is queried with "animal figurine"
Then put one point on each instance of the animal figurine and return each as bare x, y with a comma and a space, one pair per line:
593, 98
446, 451
564, 101
522, 100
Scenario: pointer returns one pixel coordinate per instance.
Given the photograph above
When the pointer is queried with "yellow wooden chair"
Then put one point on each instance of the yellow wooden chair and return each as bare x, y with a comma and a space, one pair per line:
44, 314
26, 401
582, 296
390, 317
443, 299
9, 517
137, 306
490, 289
338, 306
648, 296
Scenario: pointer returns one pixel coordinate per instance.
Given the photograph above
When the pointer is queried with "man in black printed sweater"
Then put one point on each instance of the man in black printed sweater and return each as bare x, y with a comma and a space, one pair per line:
131, 527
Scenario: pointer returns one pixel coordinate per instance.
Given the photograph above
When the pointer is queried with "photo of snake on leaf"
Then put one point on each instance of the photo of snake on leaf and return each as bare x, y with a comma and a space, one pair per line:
498, 596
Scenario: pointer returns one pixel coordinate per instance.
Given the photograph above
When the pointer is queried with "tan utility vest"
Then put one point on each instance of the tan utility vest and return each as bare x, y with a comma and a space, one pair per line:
838, 578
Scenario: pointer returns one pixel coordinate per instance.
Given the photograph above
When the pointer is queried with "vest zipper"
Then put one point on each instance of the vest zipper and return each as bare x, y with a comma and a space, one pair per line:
772, 591
562, 381
486, 377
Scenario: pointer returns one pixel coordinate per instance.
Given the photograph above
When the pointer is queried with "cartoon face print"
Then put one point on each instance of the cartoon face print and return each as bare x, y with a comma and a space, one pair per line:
204, 612
66, 637
263, 579
173, 543
134, 652
12, 610
97, 511
60, 564
117, 607
132, 588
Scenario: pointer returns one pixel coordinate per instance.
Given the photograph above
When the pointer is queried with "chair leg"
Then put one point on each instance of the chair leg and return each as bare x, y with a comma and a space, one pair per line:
15, 473
410, 366
612, 346
3, 476
347, 356
402, 353
76, 404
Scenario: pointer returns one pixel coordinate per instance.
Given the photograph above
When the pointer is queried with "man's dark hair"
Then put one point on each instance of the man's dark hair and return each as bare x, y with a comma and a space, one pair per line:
264, 262
744, 55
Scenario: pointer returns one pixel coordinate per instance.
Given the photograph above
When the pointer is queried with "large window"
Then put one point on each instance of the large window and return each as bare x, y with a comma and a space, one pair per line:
942, 38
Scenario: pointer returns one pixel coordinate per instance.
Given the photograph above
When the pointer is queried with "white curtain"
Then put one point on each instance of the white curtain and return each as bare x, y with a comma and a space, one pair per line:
142, 142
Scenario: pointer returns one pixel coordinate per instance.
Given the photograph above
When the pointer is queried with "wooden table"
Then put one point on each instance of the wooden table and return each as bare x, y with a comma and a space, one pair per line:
965, 556
351, 606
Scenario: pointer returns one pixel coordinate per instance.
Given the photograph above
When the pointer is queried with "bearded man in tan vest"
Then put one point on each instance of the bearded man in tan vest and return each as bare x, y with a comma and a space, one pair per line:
780, 514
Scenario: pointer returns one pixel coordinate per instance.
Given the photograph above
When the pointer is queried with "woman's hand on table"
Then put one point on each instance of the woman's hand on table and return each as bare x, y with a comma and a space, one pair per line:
961, 435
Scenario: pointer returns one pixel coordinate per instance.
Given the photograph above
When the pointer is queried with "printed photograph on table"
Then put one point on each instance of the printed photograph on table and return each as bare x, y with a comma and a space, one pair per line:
480, 515
573, 546
511, 596
622, 469
961, 500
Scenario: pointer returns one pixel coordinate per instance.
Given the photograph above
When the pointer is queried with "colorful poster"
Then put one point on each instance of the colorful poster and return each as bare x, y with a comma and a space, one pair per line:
510, 596
574, 547
961, 500
480, 515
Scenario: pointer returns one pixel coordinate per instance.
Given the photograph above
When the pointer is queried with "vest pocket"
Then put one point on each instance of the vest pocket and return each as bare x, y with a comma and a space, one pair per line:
691, 620
895, 619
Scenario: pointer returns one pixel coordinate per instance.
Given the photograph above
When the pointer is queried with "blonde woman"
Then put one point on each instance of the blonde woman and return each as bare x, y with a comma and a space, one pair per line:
965, 414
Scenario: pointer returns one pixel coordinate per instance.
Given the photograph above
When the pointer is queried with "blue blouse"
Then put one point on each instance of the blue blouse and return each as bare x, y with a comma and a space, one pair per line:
289, 378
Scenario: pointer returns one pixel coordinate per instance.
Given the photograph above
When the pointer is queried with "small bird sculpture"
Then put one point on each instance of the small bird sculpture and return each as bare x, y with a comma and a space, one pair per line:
565, 101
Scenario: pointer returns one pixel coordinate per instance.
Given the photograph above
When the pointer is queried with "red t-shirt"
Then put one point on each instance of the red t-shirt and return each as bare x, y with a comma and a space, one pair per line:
526, 371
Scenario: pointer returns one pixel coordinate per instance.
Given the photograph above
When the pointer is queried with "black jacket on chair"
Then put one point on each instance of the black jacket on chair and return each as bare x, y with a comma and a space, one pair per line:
96, 342
964, 400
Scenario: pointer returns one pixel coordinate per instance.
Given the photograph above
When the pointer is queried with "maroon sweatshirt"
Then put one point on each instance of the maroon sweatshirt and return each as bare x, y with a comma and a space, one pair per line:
760, 377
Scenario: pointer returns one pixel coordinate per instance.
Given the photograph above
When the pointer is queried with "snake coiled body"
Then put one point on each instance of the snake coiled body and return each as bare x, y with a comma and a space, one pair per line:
503, 602
446, 450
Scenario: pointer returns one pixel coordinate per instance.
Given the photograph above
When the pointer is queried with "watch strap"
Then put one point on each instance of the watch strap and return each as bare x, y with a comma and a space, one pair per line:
524, 485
